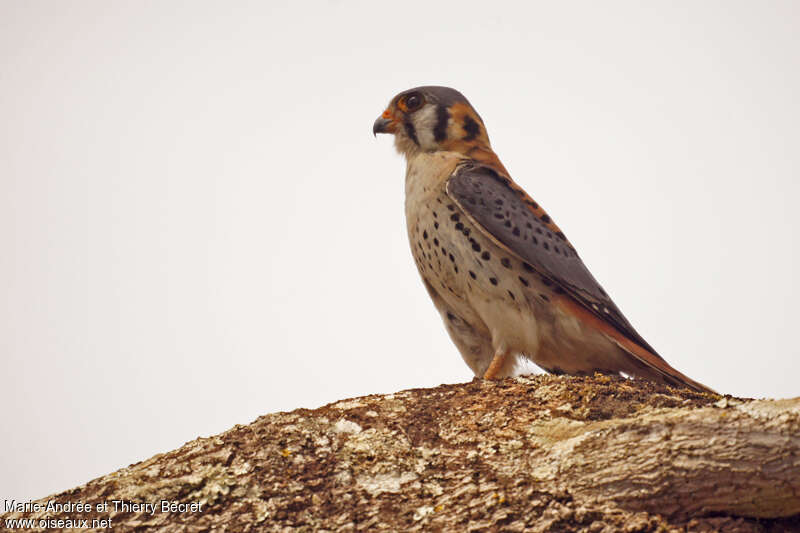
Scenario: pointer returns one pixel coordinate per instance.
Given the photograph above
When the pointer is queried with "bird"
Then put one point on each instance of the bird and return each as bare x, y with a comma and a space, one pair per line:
504, 277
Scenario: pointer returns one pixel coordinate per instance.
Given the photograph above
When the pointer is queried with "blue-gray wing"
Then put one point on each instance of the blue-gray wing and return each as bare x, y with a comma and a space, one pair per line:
503, 211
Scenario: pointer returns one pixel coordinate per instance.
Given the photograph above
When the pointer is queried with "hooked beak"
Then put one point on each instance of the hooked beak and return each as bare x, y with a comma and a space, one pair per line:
384, 124
381, 126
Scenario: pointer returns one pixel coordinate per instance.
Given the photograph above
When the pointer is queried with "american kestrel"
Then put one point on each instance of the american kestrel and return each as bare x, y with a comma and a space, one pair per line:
503, 276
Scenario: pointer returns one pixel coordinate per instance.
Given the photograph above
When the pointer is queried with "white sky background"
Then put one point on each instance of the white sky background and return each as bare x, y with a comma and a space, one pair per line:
197, 226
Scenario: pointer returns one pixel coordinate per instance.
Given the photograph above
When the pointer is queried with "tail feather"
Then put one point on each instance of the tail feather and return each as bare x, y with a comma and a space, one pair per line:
661, 368
650, 365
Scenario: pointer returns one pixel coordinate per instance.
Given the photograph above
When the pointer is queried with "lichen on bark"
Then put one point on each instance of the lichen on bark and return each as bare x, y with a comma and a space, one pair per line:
539, 453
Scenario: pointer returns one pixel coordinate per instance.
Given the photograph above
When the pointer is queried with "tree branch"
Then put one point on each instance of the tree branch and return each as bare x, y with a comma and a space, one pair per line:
542, 453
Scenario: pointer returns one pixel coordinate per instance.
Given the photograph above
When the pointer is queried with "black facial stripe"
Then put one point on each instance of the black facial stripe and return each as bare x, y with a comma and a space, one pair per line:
411, 132
442, 117
471, 127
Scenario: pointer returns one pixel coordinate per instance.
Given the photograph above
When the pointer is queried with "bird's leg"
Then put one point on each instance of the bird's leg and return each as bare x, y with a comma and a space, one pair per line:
498, 368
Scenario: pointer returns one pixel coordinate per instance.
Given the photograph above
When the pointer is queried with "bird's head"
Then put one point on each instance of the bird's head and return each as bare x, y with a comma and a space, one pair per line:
432, 119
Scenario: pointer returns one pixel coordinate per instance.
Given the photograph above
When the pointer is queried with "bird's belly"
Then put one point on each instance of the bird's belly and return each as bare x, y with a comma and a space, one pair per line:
495, 292
473, 275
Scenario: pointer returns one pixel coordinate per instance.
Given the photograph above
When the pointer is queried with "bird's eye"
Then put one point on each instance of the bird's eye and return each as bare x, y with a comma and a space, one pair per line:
413, 101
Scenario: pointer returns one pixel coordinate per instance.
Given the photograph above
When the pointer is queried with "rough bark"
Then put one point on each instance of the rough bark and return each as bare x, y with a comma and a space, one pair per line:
540, 453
